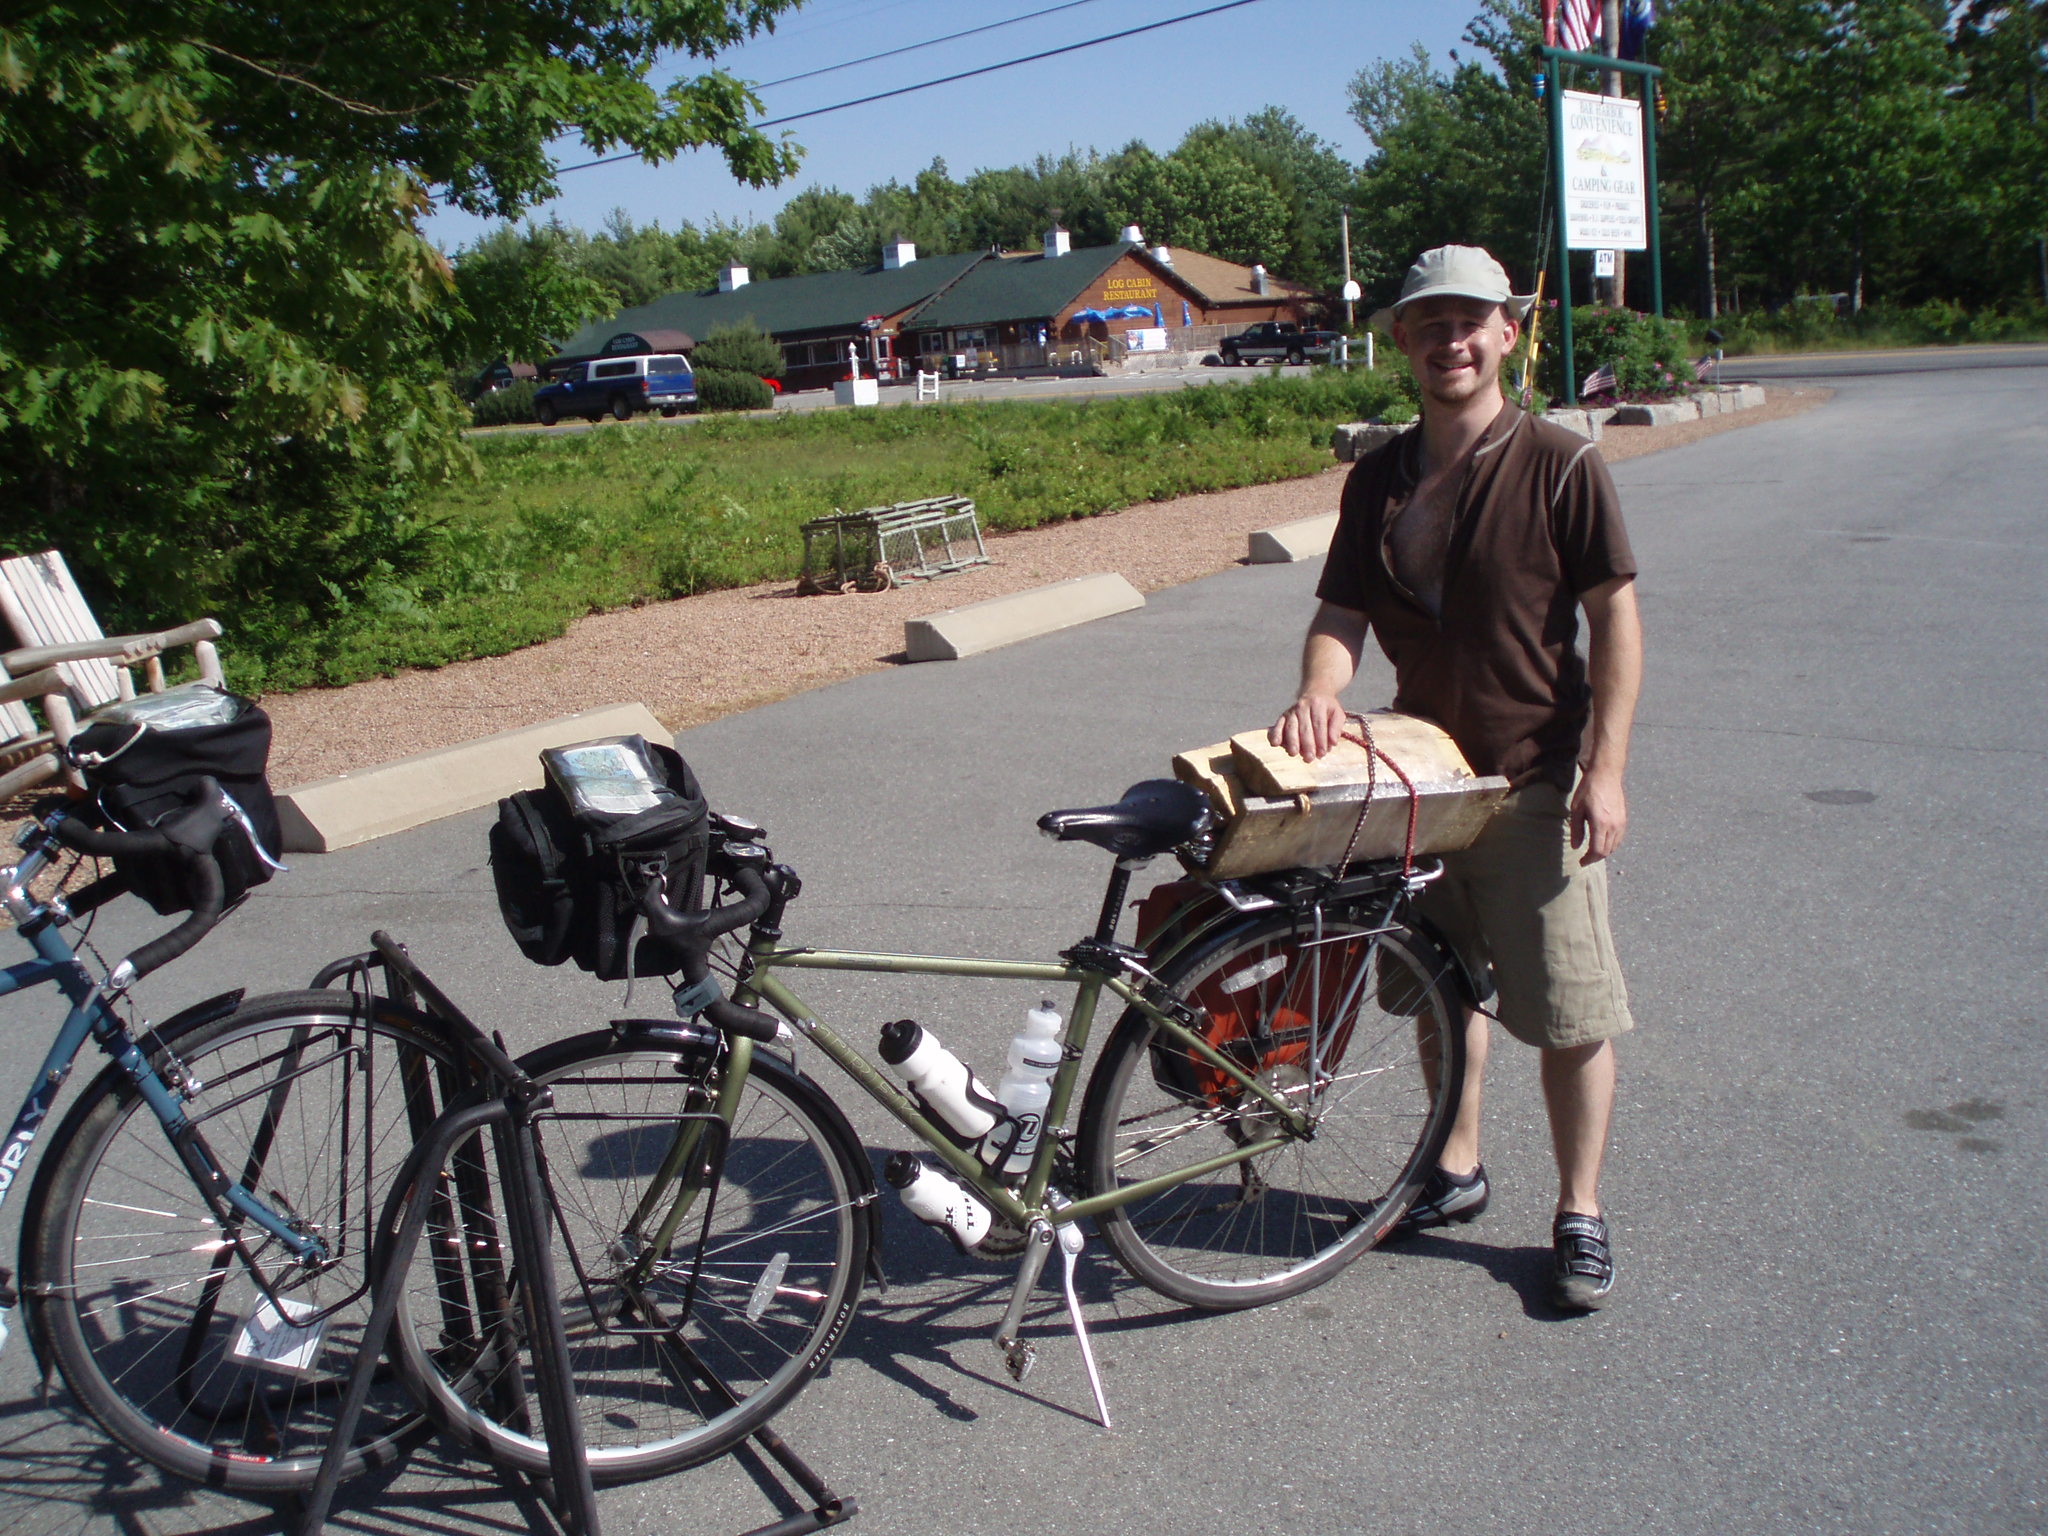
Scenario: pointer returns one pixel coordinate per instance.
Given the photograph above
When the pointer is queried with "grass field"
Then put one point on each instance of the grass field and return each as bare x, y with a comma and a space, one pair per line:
555, 527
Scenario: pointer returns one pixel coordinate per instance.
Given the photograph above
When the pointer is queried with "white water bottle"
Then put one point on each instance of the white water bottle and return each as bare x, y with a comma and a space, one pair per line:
1026, 1088
956, 1098
938, 1199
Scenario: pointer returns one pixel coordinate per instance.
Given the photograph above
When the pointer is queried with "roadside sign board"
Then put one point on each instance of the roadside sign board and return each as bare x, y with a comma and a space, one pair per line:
1603, 263
1603, 173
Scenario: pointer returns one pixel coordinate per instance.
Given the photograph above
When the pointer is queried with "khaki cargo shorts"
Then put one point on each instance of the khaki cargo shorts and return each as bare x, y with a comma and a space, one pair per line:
1520, 902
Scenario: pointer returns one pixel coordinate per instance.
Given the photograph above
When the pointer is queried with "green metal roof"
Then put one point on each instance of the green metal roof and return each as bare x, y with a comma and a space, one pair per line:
1017, 288
822, 301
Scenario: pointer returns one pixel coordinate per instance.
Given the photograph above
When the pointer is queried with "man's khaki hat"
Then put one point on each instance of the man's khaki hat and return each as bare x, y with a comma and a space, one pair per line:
1458, 271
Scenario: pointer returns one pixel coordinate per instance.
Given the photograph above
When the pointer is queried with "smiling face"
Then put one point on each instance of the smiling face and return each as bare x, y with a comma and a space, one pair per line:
1455, 345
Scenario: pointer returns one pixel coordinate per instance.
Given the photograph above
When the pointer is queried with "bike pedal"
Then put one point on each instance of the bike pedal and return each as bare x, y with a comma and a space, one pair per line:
1020, 1357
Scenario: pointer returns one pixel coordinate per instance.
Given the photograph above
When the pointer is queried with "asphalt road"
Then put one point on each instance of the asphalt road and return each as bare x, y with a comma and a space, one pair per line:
1828, 1172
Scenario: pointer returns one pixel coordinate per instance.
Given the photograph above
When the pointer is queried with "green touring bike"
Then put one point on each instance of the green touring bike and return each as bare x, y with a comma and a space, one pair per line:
1283, 1067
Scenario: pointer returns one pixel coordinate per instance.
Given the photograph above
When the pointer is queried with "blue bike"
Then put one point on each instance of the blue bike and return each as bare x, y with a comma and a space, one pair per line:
194, 1253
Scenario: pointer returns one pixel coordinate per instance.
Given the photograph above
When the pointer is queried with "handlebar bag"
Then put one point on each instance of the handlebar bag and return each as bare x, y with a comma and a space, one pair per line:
143, 757
572, 859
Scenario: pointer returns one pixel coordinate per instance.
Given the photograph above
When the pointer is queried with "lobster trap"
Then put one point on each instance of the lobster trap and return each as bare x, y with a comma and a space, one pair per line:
883, 547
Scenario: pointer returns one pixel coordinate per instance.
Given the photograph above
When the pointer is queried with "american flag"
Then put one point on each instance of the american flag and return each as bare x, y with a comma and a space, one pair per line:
1578, 25
1601, 380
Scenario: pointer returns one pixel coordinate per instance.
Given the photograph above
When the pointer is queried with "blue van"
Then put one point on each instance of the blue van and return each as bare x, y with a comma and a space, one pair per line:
658, 381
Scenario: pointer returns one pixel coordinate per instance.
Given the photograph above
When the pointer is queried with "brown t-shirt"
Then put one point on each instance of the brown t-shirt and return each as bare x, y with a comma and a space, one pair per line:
1537, 522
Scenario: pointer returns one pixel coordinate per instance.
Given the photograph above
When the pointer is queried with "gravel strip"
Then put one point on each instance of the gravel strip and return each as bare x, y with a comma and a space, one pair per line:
698, 658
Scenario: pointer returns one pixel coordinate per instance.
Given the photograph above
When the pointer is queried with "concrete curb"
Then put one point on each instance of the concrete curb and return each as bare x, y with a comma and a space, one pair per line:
1000, 621
353, 808
1289, 542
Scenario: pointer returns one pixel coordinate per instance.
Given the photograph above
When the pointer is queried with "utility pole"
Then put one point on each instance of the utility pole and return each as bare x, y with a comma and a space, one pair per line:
1610, 85
1344, 215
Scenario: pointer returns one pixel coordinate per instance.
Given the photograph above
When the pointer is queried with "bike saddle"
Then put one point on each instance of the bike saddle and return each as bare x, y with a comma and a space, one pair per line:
1152, 817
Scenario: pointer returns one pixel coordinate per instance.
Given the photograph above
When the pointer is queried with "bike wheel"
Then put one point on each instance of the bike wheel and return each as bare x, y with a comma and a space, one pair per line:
745, 1304
147, 1304
1361, 1033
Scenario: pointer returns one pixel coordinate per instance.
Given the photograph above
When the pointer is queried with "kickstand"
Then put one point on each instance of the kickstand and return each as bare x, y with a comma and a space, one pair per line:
1070, 1251
1018, 1355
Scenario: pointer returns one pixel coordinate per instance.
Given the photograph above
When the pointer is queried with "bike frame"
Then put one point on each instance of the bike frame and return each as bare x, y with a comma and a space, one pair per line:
1020, 1207
92, 1017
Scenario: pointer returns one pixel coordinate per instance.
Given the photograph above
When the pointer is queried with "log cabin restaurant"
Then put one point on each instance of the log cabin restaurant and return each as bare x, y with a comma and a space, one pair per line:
987, 311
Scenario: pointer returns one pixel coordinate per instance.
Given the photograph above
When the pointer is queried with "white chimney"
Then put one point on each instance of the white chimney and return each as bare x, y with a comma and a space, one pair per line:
1163, 254
1259, 279
1056, 242
898, 253
1132, 235
731, 277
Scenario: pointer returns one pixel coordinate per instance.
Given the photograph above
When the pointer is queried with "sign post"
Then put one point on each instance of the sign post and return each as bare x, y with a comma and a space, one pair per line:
1603, 162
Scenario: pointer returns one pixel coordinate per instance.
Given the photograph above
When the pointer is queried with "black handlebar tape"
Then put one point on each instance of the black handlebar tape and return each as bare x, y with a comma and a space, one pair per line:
695, 930
205, 874
193, 829
738, 1019
188, 835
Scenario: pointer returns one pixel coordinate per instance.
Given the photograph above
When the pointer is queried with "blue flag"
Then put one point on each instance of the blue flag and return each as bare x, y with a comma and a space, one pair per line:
1637, 17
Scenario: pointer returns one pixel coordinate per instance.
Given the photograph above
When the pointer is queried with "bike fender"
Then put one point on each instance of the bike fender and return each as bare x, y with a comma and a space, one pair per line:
1473, 989
179, 1023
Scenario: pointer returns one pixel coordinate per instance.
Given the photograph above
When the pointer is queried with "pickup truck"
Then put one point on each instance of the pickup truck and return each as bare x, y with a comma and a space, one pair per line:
619, 385
1277, 341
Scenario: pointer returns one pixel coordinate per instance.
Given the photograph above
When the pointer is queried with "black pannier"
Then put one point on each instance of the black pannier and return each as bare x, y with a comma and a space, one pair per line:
572, 859
141, 759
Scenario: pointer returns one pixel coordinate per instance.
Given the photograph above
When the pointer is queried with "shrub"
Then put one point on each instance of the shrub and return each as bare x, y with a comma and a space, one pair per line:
721, 389
1805, 325
739, 349
512, 403
1648, 354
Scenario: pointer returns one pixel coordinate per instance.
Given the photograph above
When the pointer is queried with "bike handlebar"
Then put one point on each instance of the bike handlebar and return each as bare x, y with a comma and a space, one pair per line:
696, 930
187, 835
693, 933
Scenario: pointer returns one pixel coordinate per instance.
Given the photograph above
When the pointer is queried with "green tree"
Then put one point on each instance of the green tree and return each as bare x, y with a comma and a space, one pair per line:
1456, 158
2004, 48
743, 348
1869, 146
521, 291
1731, 66
222, 362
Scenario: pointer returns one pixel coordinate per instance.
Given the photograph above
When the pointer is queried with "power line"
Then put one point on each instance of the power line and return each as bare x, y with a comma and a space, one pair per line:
933, 42
989, 69
965, 74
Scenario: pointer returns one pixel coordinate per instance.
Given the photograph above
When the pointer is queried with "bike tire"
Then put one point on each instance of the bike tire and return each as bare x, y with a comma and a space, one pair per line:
783, 1261
133, 1288
1390, 1063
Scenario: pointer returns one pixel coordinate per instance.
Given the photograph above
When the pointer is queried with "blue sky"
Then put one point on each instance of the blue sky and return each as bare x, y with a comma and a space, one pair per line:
1299, 54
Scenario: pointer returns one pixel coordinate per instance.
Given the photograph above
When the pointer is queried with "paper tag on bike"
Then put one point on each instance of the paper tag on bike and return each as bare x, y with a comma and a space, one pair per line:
273, 1342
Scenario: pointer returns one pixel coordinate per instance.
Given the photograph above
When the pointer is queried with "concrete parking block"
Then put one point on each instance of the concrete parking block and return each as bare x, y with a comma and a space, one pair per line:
1001, 621
353, 808
1665, 413
1308, 539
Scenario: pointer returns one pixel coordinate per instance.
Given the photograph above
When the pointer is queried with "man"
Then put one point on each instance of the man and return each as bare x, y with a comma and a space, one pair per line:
1467, 547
